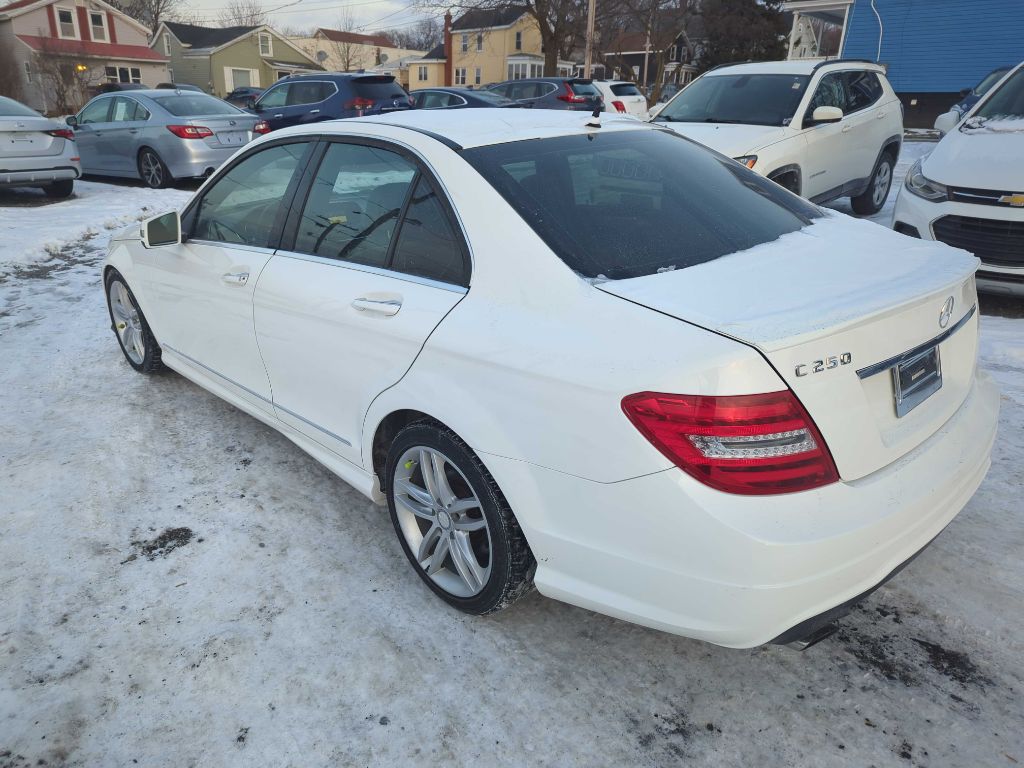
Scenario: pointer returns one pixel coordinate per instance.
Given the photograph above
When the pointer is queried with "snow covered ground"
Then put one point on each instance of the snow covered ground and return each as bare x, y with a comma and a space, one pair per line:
180, 585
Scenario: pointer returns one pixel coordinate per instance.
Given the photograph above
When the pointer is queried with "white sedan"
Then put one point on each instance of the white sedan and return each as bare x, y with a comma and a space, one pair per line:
597, 358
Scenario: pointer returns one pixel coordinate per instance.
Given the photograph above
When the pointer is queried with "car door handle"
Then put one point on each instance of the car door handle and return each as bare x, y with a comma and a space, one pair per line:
235, 278
314, 111
879, 115
133, 130
380, 306
277, 116
846, 128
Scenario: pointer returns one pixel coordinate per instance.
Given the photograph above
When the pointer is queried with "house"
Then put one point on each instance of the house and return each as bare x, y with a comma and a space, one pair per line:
631, 56
64, 47
340, 51
931, 50
218, 60
482, 46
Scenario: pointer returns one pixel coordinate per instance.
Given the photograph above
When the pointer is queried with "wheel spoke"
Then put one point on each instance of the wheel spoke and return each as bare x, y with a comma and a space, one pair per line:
128, 338
430, 538
462, 505
414, 506
465, 561
444, 490
440, 553
470, 524
419, 495
429, 478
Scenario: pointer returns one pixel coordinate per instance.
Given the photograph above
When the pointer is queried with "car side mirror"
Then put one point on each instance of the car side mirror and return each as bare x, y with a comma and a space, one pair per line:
250, 103
947, 121
822, 115
965, 92
164, 229
71, 121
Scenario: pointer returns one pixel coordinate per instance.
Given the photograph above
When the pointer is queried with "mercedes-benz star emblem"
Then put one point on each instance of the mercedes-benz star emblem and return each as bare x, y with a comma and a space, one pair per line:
946, 312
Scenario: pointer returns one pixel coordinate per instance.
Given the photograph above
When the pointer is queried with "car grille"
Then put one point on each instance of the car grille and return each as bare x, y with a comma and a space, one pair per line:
986, 197
991, 240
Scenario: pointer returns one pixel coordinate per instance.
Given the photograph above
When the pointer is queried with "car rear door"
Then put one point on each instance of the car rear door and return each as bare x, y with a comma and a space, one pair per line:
116, 144
375, 262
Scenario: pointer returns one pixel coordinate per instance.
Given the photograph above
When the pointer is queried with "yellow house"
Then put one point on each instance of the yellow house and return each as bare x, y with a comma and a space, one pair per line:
340, 51
484, 46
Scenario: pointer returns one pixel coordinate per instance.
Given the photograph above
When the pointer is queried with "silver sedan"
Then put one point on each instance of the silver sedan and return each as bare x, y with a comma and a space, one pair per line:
36, 151
160, 135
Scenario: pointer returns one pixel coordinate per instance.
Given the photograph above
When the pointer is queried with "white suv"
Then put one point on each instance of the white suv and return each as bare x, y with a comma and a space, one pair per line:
823, 130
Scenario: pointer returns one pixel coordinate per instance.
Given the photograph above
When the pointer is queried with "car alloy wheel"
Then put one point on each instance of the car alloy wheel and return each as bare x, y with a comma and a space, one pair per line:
127, 323
151, 168
442, 521
883, 179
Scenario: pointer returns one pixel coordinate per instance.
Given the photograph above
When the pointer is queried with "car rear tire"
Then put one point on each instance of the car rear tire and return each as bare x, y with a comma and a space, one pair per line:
129, 325
872, 199
152, 170
453, 522
60, 189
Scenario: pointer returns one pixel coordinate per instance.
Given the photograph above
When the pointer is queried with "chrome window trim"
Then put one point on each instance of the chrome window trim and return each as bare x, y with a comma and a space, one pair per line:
885, 365
257, 395
236, 246
403, 276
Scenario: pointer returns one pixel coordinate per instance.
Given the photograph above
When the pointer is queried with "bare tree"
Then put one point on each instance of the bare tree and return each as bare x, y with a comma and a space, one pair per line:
348, 55
152, 12
422, 36
11, 84
64, 77
242, 13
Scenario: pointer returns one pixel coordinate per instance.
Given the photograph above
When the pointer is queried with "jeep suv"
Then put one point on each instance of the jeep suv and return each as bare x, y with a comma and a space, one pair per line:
823, 130
302, 99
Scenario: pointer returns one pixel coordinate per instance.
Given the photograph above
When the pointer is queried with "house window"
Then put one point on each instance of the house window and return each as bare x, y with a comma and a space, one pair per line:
460, 76
28, 71
476, 76
266, 46
421, 73
519, 41
479, 41
536, 70
68, 26
673, 52
98, 25
167, 44
518, 71
122, 74
465, 43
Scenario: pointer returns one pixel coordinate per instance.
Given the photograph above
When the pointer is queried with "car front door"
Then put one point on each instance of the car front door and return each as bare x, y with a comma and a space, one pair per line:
376, 264
827, 165
92, 121
201, 290
272, 104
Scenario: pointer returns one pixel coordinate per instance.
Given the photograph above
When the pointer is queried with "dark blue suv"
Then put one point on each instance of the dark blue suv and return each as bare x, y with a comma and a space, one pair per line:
301, 99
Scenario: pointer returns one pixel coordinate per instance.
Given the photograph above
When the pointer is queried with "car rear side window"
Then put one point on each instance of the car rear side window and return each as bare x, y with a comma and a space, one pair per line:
625, 89
352, 209
242, 206
631, 203
427, 244
313, 92
862, 90
195, 104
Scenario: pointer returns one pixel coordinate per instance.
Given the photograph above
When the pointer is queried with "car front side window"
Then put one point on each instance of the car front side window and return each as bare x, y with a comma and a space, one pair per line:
831, 92
275, 97
243, 205
96, 112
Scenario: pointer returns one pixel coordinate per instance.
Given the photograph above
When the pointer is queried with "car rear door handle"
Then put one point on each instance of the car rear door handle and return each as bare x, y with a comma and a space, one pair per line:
879, 115
133, 130
314, 111
277, 116
235, 278
380, 306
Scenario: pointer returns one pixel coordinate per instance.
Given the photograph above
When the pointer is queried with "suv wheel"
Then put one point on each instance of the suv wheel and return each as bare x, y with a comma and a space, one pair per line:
873, 198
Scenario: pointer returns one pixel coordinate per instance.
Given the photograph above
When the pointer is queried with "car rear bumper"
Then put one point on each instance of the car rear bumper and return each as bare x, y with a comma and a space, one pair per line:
668, 552
195, 158
997, 274
38, 176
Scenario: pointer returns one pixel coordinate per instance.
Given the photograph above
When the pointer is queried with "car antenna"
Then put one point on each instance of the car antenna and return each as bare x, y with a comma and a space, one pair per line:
595, 119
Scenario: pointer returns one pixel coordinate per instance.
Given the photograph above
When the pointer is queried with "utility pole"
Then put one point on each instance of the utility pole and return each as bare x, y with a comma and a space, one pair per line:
588, 56
647, 53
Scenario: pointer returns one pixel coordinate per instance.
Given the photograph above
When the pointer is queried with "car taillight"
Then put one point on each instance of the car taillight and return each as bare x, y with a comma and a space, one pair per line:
190, 131
744, 444
571, 97
261, 127
619, 106
62, 133
359, 103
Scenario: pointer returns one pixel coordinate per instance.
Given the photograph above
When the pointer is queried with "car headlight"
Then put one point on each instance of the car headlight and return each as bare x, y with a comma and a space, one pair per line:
922, 186
747, 160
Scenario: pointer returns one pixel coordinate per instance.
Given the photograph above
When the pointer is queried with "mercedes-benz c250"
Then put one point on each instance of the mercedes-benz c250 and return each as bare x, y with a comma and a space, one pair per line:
580, 353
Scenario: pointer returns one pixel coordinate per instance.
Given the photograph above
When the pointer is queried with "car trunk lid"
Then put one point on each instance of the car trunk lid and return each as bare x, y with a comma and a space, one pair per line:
834, 308
228, 130
28, 137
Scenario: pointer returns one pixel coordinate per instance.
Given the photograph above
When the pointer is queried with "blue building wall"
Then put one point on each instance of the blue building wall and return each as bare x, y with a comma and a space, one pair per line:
937, 46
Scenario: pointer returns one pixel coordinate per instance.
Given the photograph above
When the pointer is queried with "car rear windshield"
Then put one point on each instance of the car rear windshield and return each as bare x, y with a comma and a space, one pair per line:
583, 88
194, 104
625, 89
632, 203
752, 99
15, 108
378, 88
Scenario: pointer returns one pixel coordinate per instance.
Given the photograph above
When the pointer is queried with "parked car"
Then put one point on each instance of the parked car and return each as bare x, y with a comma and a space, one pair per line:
302, 99
668, 90
623, 97
180, 87
969, 192
160, 135
607, 362
244, 97
458, 98
36, 151
822, 130
971, 96
552, 93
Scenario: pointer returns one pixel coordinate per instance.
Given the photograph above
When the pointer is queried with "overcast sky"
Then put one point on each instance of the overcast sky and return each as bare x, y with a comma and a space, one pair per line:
369, 15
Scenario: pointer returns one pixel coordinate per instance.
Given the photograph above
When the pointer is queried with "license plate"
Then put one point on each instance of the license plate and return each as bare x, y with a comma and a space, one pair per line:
916, 379
231, 138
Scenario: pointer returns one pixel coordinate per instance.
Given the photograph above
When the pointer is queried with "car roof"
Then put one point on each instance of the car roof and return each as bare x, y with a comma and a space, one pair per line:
795, 67
470, 128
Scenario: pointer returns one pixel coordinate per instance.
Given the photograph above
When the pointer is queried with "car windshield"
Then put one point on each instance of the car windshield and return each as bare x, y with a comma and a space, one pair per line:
633, 203
751, 99
990, 79
1005, 104
12, 108
194, 104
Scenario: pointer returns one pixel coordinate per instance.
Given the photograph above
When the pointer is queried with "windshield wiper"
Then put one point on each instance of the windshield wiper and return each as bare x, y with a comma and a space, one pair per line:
716, 120
666, 118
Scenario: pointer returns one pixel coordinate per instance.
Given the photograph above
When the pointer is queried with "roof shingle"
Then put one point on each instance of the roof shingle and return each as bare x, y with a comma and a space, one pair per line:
340, 36
482, 18
206, 37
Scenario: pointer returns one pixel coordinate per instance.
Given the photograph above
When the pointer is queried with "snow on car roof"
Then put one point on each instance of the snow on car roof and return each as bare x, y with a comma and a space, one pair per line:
795, 67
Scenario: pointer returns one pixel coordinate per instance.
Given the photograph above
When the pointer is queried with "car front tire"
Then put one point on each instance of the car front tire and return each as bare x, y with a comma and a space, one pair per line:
453, 522
872, 200
152, 170
129, 325
60, 189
